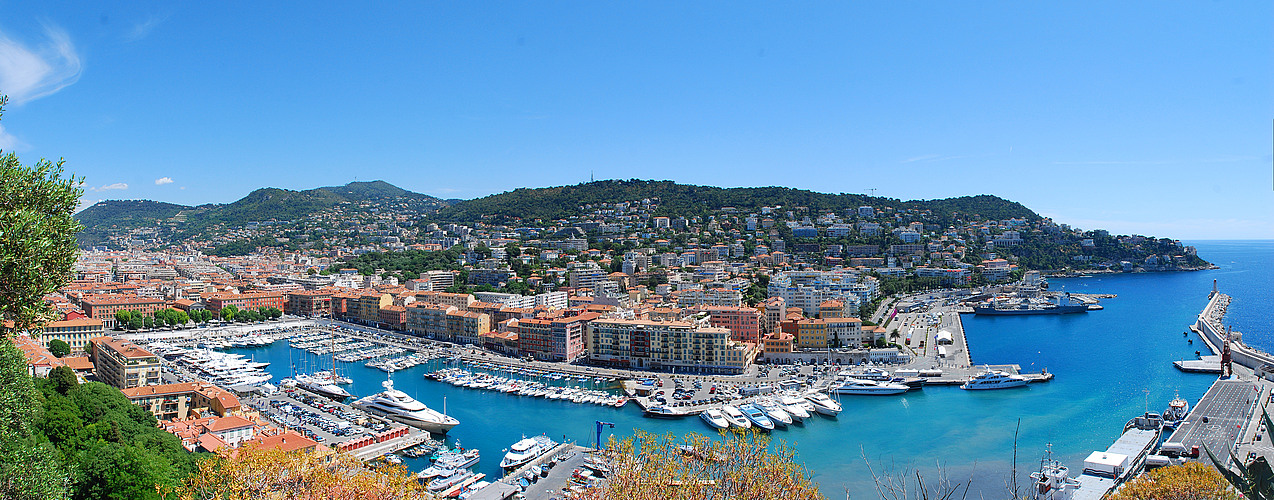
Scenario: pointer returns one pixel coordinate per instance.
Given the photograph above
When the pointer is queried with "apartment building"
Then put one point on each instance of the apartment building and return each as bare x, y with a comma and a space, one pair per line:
122, 364
104, 307
215, 302
744, 323
666, 345
75, 332
309, 303
183, 400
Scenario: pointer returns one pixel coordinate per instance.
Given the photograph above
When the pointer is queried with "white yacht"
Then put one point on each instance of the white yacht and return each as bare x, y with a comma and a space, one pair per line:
866, 373
993, 379
798, 408
526, 450
736, 417
398, 406
869, 388
715, 418
823, 404
775, 411
321, 386
757, 416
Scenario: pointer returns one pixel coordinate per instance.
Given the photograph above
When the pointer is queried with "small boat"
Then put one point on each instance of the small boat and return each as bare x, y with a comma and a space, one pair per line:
796, 407
715, 418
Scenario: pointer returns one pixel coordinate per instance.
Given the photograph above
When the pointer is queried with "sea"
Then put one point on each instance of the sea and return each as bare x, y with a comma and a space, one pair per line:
1110, 366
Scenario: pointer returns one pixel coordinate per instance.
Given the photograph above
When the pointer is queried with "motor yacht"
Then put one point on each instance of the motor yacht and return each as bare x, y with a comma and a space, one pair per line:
869, 388
757, 416
823, 404
798, 408
320, 386
777, 414
993, 379
398, 406
526, 450
715, 418
736, 417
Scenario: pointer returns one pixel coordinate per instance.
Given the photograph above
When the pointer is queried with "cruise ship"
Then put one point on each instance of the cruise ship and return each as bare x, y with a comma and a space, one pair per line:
399, 407
993, 379
526, 450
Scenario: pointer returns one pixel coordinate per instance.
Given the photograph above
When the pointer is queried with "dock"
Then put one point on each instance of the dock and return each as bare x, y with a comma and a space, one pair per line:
1219, 419
1205, 364
1129, 451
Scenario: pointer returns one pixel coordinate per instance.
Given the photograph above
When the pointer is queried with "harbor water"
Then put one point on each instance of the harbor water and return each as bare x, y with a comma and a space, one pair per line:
1110, 365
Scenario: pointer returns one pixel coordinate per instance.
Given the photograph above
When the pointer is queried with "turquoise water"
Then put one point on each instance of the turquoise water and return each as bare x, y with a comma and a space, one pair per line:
1108, 364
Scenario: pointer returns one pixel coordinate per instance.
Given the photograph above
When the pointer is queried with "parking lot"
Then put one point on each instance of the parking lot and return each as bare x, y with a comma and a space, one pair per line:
321, 419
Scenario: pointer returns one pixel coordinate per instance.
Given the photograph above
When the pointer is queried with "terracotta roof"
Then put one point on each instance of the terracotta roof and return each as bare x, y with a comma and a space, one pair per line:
228, 423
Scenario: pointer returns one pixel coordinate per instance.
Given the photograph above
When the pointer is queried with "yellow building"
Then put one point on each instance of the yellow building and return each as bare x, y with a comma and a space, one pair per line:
122, 364
75, 332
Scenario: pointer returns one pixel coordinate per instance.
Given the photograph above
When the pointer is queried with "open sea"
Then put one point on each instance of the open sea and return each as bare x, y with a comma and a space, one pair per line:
1110, 366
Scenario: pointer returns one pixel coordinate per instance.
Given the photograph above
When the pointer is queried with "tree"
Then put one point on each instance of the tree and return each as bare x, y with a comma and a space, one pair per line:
1179, 482
256, 473
37, 251
649, 467
59, 348
122, 318
135, 322
63, 379
37, 236
228, 313
148, 322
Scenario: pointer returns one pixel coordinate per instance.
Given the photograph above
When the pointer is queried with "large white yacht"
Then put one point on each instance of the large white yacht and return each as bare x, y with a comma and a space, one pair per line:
797, 407
823, 404
526, 450
736, 417
398, 406
320, 386
715, 418
993, 379
869, 388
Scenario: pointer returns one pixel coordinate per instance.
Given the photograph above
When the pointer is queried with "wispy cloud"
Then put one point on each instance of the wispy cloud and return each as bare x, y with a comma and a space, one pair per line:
142, 29
110, 187
29, 73
1220, 159
7, 141
933, 158
163, 180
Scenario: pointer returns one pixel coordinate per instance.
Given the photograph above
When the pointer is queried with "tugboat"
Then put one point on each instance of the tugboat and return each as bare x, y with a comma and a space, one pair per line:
1177, 411
1052, 481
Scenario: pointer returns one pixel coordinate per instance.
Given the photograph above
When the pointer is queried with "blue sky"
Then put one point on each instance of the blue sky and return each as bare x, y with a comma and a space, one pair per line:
1150, 118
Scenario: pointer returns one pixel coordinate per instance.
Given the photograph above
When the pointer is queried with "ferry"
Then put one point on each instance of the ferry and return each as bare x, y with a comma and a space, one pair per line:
526, 450
1002, 306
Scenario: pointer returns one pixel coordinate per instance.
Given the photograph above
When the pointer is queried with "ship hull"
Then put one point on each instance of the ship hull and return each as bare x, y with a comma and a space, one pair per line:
991, 311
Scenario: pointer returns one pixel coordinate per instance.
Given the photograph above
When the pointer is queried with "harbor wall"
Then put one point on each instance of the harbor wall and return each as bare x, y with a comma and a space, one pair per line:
1209, 326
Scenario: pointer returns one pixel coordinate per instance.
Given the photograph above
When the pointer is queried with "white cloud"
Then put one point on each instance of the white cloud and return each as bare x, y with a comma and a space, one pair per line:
109, 187
163, 180
7, 141
140, 30
29, 73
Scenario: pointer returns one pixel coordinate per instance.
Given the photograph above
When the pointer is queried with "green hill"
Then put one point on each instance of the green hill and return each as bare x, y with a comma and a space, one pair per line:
104, 216
689, 200
265, 204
